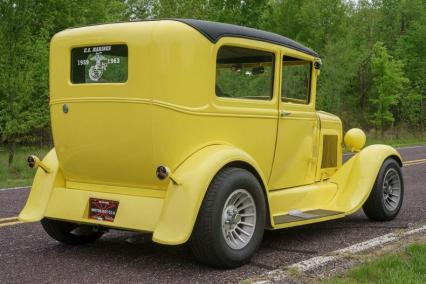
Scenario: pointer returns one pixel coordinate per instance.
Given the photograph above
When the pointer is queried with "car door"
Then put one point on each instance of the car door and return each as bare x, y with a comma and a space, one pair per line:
245, 98
295, 154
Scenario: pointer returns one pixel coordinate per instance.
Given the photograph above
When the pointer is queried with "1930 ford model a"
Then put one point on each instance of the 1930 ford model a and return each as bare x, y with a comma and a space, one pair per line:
197, 131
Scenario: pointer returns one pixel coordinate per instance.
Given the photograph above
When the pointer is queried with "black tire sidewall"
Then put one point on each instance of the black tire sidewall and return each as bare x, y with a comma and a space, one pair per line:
61, 231
240, 179
388, 164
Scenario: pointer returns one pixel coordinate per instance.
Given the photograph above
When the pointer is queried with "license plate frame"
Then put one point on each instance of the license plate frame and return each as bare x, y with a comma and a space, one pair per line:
102, 209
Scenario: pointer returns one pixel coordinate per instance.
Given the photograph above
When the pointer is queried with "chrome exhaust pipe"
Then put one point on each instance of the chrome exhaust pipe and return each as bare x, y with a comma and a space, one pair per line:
34, 162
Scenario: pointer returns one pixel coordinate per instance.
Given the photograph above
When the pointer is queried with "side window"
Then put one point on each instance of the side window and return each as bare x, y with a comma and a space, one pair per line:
244, 73
296, 80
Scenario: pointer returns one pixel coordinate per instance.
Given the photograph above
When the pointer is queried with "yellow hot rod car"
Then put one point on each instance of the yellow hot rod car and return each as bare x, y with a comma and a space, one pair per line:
197, 131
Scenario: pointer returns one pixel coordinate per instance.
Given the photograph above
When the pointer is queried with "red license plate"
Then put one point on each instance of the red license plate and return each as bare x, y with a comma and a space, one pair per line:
102, 210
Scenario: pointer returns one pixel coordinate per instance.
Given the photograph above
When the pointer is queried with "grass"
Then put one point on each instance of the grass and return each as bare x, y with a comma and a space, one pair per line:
403, 138
408, 266
19, 174
397, 142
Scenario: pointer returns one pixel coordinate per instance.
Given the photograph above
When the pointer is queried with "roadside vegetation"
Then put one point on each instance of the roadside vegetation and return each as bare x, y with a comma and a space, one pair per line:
391, 139
19, 174
406, 267
372, 51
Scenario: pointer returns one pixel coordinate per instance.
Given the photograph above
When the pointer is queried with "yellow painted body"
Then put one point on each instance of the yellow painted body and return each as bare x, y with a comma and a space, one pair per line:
115, 135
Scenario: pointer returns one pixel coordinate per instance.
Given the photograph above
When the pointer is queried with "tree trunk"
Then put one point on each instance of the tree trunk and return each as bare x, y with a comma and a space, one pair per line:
395, 130
422, 114
11, 151
382, 126
361, 87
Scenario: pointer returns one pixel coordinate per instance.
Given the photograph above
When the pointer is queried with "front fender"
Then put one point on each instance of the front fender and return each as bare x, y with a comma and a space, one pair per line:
355, 179
41, 189
183, 201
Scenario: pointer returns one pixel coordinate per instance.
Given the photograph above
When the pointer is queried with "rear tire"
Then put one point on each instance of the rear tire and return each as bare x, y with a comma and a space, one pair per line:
61, 231
231, 220
386, 197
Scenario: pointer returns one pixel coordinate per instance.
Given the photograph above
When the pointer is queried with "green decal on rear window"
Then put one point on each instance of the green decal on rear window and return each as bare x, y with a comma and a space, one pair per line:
99, 64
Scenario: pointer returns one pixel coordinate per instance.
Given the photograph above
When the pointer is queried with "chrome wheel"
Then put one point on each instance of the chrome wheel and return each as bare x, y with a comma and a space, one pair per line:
238, 219
391, 189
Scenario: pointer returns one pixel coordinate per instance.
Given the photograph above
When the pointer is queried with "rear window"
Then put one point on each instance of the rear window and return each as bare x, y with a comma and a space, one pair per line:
99, 64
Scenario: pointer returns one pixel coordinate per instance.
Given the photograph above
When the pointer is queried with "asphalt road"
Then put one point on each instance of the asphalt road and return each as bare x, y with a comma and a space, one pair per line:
27, 254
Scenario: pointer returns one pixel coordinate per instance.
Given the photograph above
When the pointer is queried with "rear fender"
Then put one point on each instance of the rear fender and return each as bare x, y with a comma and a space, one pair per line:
42, 188
183, 201
355, 179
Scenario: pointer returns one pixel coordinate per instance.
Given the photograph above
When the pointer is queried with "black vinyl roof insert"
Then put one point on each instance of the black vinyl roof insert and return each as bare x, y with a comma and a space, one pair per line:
213, 31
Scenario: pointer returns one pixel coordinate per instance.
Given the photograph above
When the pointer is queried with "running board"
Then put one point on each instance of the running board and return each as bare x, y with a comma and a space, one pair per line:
297, 215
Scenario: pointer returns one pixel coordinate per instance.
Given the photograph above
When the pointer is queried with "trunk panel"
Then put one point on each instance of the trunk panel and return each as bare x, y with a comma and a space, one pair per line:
105, 142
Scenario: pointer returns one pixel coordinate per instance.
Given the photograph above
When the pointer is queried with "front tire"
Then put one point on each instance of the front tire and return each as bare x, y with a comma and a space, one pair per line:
231, 221
386, 197
63, 232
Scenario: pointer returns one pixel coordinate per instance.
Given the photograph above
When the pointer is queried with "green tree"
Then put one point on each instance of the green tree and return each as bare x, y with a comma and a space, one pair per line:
25, 30
248, 13
362, 81
410, 48
19, 61
389, 81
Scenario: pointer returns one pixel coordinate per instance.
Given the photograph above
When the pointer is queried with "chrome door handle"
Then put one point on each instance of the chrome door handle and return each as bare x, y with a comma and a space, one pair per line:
285, 113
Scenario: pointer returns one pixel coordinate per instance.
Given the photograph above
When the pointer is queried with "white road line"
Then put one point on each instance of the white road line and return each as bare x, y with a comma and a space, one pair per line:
415, 231
12, 188
356, 248
319, 261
